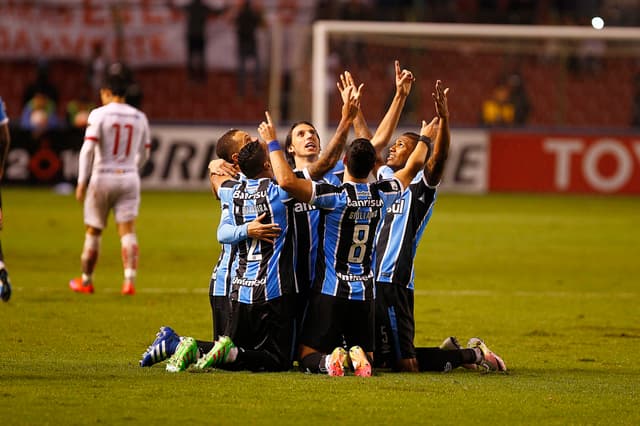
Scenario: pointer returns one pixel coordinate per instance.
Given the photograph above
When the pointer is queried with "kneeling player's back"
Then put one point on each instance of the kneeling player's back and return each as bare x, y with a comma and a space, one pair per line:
351, 215
265, 270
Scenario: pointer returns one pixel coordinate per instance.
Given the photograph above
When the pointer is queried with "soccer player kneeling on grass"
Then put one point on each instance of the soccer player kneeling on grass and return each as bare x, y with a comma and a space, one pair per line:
400, 233
341, 305
259, 334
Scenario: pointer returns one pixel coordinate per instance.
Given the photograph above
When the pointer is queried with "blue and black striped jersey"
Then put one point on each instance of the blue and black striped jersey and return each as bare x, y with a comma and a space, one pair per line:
222, 272
306, 218
264, 270
348, 223
401, 230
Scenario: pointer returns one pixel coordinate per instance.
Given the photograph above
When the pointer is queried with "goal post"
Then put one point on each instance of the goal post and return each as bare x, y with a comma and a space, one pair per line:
323, 31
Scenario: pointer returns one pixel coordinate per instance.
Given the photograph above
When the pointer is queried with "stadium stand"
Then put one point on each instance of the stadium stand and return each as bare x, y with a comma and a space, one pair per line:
558, 97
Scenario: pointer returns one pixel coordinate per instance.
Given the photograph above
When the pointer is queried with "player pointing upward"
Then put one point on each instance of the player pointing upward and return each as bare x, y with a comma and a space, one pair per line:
116, 145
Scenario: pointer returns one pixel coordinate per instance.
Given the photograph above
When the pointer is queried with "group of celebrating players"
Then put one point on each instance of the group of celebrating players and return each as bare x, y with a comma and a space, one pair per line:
316, 265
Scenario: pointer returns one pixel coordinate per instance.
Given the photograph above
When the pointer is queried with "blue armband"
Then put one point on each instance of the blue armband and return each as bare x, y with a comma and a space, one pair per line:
274, 145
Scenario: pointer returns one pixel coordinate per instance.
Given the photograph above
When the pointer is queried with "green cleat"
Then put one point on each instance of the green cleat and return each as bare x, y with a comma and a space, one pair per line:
185, 355
218, 354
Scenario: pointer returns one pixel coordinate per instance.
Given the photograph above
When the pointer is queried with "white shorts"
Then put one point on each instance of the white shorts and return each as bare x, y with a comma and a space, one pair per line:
106, 191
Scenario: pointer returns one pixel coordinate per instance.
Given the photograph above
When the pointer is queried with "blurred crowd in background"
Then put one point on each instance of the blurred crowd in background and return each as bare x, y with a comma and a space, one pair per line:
522, 86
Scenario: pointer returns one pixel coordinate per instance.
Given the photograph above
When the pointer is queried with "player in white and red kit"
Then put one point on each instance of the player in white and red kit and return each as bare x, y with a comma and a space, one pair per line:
116, 144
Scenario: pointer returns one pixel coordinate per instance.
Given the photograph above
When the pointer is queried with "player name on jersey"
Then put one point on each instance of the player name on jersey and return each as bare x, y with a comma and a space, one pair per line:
359, 215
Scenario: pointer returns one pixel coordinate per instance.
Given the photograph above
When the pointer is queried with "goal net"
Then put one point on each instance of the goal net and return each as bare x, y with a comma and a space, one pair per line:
499, 75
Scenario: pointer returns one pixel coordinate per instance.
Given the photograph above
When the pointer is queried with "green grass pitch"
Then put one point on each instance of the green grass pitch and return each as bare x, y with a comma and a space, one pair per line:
551, 283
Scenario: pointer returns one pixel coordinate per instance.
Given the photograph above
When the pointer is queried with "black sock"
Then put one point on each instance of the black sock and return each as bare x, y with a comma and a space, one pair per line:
204, 346
261, 360
314, 363
469, 356
436, 359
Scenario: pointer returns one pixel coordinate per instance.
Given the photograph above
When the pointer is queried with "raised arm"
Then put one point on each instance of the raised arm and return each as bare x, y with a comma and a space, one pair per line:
359, 123
333, 151
434, 168
404, 80
300, 189
416, 160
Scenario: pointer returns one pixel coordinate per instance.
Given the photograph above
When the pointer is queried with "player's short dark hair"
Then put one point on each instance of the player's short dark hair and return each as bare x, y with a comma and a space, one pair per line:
251, 159
411, 136
360, 158
116, 79
289, 140
226, 145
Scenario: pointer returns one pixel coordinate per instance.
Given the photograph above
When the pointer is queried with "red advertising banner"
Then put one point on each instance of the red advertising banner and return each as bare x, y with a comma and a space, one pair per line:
564, 163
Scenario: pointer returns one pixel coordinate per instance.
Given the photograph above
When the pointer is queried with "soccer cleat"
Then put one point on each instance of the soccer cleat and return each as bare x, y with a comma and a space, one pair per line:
218, 354
5, 285
451, 344
336, 362
78, 286
490, 361
185, 355
162, 347
360, 362
128, 288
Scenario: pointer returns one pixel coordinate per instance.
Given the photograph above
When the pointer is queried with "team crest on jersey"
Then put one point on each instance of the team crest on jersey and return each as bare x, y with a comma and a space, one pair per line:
397, 207
303, 207
394, 185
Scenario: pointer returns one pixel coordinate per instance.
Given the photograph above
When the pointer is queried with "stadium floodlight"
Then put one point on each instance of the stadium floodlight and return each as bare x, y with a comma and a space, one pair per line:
324, 30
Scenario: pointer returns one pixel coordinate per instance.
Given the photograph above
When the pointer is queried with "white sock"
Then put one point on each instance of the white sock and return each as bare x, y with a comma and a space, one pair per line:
233, 354
89, 256
129, 244
479, 355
